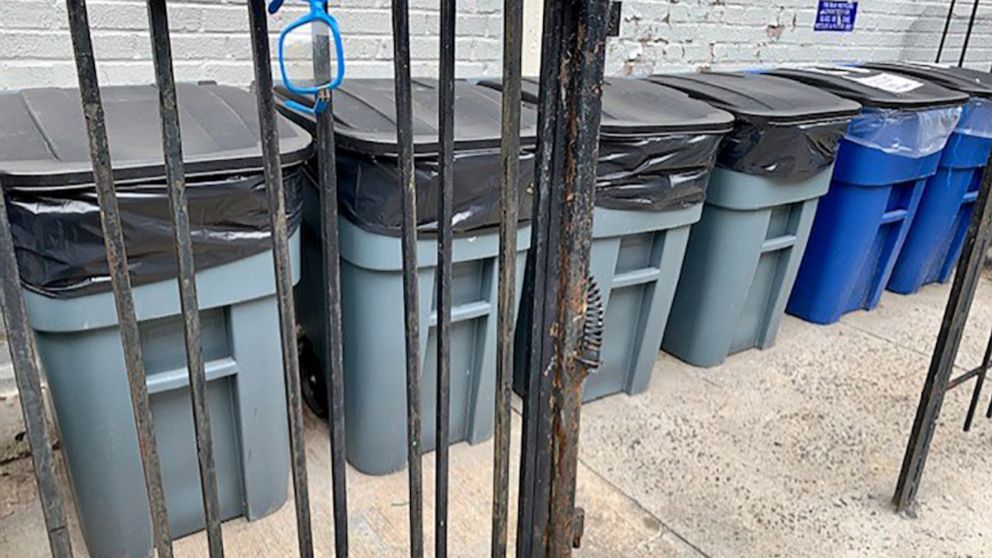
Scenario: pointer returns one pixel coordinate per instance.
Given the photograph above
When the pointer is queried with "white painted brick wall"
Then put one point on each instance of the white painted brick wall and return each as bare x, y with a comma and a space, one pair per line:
211, 41
211, 38
683, 35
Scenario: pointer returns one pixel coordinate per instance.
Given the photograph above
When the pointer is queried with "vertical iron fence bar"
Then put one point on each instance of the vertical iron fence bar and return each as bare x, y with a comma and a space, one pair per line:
946, 349
27, 375
967, 36
404, 137
283, 267
446, 139
979, 383
327, 167
506, 303
947, 27
113, 234
175, 176
332, 270
986, 364
539, 295
564, 229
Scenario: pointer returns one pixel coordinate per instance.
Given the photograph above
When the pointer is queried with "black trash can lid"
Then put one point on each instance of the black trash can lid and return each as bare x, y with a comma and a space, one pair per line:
761, 99
973, 82
638, 107
875, 88
44, 143
365, 116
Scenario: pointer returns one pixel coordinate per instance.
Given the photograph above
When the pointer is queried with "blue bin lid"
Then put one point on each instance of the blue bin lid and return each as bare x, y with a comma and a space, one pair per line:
973, 82
761, 99
638, 107
875, 88
365, 116
44, 143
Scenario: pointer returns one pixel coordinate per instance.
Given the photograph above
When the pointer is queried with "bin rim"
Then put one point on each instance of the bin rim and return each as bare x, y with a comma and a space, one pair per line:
630, 109
61, 159
478, 115
966, 80
760, 99
848, 81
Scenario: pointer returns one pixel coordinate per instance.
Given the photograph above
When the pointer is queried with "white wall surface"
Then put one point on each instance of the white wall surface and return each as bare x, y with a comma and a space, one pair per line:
211, 37
678, 35
211, 40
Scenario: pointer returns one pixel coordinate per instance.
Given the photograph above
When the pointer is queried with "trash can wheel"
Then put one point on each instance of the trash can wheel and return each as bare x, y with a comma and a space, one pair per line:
313, 384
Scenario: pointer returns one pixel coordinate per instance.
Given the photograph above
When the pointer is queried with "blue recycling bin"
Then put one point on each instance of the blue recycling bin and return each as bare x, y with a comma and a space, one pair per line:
934, 242
885, 161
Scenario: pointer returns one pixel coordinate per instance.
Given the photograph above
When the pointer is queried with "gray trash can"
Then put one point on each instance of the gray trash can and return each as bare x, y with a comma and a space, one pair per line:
744, 254
372, 266
657, 149
47, 178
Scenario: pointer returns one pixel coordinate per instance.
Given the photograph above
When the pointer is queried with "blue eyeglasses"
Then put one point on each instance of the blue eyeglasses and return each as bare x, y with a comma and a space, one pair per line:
298, 42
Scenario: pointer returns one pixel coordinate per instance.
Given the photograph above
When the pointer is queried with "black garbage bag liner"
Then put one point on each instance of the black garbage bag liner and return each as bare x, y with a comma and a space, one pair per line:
657, 173
59, 241
370, 194
795, 151
650, 173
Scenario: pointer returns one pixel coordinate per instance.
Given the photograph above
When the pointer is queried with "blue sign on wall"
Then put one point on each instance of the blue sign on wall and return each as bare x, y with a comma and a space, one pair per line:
833, 15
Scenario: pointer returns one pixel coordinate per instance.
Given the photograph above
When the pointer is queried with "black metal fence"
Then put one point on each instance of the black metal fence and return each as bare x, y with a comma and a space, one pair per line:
560, 352
940, 378
969, 31
559, 298
939, 381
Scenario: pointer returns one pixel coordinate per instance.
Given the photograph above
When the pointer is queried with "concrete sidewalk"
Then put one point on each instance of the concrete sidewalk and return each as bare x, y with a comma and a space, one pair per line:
793, 451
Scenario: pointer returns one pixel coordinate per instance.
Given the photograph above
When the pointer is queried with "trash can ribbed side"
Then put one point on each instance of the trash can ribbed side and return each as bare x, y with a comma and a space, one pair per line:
934, 242
636, 260
80, 349
859, 232
373, 336
740, 265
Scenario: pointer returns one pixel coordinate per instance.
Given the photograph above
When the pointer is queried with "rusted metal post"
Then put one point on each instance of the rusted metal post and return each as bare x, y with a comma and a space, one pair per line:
283, 268
946, 350
158, 18
113, 233
568, 146
535, 457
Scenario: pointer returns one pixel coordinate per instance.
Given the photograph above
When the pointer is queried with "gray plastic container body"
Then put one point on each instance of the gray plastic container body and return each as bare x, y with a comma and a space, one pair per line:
740, 265
636, 260
374, 335
80, 348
